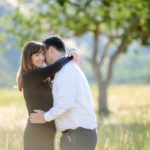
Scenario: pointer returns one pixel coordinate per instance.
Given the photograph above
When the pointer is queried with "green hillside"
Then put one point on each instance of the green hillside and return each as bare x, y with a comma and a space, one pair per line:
7, 75
130, 68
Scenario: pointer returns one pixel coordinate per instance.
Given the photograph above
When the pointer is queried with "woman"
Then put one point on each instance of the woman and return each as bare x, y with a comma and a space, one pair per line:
33, 79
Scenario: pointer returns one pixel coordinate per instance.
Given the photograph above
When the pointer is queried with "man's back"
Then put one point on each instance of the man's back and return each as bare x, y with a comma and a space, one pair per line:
71, 90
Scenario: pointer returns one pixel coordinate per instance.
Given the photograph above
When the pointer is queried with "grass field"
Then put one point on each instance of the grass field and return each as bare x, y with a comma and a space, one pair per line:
127, 127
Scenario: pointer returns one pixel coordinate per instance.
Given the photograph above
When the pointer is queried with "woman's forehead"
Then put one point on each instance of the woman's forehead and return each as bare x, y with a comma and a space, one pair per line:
41, 50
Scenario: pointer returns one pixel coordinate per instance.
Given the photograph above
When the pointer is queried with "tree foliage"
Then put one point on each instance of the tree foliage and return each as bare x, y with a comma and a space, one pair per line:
120, 21
130, 18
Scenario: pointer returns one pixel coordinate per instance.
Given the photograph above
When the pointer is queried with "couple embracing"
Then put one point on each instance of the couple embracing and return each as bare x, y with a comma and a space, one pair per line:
57, 96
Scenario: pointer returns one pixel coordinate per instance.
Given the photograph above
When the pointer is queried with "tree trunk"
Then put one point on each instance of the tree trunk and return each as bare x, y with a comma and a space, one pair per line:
102, 89
102, 99
102, 85
96, 65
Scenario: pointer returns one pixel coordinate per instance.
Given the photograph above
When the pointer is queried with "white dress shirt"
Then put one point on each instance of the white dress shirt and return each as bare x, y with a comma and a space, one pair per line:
73, 106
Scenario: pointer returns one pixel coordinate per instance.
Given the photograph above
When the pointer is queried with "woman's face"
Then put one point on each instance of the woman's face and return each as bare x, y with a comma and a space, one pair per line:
38, 60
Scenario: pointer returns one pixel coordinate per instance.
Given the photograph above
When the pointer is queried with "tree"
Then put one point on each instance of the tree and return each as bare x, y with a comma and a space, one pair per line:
121, 22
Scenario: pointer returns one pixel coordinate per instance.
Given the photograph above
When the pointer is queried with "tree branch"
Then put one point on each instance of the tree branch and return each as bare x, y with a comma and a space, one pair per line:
121, 48
74, 4
78, 5
96, 38
115, 36
88, 2
105, 51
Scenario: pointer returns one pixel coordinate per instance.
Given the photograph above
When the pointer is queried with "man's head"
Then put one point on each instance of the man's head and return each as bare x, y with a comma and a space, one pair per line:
55, 48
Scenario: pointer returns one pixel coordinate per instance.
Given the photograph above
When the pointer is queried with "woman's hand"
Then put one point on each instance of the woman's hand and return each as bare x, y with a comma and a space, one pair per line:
72, 52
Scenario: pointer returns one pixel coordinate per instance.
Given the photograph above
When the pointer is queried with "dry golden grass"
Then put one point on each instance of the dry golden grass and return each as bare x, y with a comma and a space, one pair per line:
127, 127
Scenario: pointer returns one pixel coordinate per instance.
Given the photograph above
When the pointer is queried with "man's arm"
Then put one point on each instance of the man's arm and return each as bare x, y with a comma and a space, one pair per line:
64, 98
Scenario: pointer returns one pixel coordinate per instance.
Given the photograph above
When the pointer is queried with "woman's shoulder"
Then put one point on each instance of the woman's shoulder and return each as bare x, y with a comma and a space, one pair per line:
27, 74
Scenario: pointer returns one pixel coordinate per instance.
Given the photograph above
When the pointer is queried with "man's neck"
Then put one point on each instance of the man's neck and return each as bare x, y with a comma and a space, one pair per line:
60, 55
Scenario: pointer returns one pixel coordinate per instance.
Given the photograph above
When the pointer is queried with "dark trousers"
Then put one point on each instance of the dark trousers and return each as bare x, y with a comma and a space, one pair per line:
79, 139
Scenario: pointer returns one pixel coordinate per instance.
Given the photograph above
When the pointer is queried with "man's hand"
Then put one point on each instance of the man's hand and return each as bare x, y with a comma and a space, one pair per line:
37, 117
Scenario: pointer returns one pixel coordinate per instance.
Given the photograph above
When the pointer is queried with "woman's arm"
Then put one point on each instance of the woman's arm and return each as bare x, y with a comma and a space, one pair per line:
37, 75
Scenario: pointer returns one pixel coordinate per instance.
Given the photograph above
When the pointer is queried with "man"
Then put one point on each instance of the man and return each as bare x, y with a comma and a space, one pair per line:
73, 109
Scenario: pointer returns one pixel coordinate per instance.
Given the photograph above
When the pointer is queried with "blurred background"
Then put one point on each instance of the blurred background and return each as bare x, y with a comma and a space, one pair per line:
113, 42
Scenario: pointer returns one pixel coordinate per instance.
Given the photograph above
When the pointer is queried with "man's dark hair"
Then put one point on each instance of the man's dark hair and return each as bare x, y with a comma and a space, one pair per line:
56, 42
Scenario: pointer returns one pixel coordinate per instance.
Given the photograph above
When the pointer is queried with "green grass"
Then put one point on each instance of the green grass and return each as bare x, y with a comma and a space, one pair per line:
127, 127
11, 97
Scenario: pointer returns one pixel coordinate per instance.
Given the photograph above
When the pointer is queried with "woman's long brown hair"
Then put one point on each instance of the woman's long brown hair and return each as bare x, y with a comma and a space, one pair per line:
29, 49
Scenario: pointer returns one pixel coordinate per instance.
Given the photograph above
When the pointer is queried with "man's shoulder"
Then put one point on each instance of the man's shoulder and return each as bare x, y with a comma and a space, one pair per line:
67, 71
70, 66
70, 69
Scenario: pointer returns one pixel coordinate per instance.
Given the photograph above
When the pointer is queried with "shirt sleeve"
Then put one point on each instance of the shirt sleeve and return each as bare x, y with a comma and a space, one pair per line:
37, 75
64, 98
